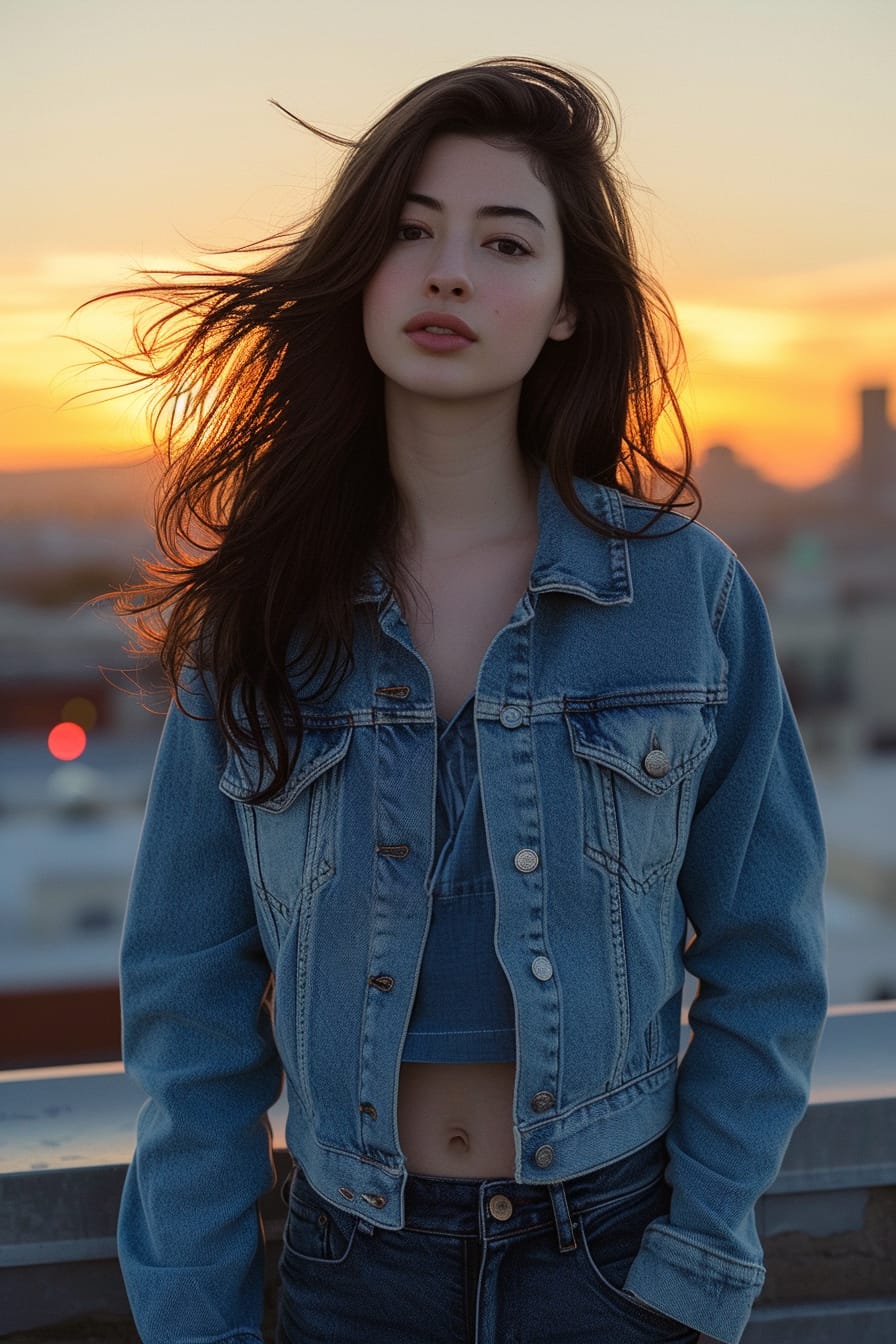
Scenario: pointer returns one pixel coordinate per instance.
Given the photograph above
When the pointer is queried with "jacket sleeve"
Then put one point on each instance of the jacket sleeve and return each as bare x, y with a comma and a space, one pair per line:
751, 883
198, 1040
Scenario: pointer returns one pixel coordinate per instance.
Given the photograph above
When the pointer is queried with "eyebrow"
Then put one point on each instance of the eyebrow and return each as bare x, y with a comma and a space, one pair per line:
484, 212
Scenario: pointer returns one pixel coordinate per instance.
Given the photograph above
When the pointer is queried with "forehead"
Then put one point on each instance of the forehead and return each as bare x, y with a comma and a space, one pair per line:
463, 170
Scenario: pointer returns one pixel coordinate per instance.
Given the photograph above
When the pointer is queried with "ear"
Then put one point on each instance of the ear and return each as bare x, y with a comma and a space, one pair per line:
564, 323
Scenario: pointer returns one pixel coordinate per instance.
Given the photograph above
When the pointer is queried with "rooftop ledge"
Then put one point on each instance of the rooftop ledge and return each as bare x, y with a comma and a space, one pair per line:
828, 1223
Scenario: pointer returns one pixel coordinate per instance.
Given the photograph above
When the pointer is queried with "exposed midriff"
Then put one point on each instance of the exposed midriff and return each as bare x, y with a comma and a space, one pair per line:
456, 1119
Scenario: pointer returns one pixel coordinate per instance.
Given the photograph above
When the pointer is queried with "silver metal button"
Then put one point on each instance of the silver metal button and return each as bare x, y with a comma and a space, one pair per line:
511, 716
500, 1207
656, 764
346, 1193
544, 1155
542, 968
376, 1200
525, 860
542, 1101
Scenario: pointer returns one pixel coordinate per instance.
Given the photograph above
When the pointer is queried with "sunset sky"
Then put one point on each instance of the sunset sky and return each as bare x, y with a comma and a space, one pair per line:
759, 134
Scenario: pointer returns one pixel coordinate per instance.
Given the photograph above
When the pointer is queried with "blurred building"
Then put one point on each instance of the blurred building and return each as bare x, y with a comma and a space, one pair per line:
825, 560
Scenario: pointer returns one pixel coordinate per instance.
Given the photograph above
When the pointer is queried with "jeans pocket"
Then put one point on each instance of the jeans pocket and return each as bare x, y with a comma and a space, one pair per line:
610, 1238
315, 1231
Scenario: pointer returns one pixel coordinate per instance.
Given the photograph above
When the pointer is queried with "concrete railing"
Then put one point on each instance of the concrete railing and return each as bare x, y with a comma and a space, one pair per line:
828, 1223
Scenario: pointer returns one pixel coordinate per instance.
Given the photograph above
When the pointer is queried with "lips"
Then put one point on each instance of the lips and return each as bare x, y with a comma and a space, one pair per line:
445, 320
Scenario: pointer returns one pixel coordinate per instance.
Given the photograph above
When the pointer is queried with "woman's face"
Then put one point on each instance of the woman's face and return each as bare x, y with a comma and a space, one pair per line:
484, 246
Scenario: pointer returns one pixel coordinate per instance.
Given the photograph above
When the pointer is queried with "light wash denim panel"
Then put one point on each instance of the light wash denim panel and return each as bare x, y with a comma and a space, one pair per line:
463, 1008
640, 767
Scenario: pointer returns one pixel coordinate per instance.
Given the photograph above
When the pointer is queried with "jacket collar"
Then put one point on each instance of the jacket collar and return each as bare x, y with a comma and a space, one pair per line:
569, 558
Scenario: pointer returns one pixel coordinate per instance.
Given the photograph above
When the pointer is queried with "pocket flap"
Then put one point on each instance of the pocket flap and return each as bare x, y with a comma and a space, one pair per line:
246, 774
654, 745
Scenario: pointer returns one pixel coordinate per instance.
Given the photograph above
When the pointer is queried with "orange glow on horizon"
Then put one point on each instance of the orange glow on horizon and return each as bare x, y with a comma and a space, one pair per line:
773, 368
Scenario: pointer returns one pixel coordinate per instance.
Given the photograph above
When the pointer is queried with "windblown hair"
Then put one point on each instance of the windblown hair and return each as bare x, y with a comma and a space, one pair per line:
276, 498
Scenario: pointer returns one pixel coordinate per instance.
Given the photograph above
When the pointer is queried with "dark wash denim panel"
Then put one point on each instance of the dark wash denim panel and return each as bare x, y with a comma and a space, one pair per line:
639, 764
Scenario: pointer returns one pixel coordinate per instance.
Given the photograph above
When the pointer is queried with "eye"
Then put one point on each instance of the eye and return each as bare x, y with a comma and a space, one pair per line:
522, 252
403, 228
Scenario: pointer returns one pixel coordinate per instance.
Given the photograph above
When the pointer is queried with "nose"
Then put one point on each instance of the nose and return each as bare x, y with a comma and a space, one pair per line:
449, 273
454, 285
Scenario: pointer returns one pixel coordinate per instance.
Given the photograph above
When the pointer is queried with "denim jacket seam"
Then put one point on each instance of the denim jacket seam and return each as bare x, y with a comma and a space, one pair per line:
357, 1157
617, 869
634, 696
724, 594
663, 1066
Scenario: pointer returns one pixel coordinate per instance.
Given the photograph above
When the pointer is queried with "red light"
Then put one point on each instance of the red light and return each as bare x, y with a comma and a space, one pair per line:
67, 741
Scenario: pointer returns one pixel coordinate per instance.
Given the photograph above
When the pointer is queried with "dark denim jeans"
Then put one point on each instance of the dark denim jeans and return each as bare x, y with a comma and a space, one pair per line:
479, 1262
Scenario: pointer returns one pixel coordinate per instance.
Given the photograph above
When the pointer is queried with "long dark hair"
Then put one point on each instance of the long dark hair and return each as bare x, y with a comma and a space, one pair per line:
277, 496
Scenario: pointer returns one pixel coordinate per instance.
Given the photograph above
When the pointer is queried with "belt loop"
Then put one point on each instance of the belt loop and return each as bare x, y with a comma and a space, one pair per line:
566, 1237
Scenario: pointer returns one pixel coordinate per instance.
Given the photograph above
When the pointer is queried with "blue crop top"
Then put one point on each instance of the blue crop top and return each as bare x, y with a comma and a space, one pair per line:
463, 1010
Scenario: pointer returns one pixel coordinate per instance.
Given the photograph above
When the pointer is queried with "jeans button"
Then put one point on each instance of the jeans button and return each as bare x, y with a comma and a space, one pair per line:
500, 1207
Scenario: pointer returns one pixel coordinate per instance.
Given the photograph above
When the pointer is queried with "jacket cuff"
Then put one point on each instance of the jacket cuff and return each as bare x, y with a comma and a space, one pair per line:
702, 1288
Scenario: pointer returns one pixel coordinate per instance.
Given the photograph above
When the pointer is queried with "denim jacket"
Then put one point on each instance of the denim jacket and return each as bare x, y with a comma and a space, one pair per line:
640, 767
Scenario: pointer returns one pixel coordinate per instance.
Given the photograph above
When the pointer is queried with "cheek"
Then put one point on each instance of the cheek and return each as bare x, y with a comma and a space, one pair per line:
527, 320
379, 291
534, 308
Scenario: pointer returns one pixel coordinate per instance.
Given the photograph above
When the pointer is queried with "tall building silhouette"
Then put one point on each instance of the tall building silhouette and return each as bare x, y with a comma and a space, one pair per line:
877, 450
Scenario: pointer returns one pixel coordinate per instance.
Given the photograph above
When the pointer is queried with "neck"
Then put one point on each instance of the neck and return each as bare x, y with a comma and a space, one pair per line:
461, 476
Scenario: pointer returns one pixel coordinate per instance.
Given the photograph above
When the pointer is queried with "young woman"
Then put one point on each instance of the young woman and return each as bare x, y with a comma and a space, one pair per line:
468, 725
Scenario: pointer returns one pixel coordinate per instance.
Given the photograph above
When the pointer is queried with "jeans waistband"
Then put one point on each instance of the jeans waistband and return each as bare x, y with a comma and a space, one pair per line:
441, 1204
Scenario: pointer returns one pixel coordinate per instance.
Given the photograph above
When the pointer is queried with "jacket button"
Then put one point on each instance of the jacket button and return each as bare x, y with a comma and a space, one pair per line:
656, 764
366, 1109
376, 1200
350, 1194
542, 968
542, 1101
544, 1155
394, 692
525, 860
384, 982
511, 716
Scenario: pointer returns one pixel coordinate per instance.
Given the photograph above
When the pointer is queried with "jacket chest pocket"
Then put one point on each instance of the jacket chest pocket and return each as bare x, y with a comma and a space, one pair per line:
637, 766
292, 839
